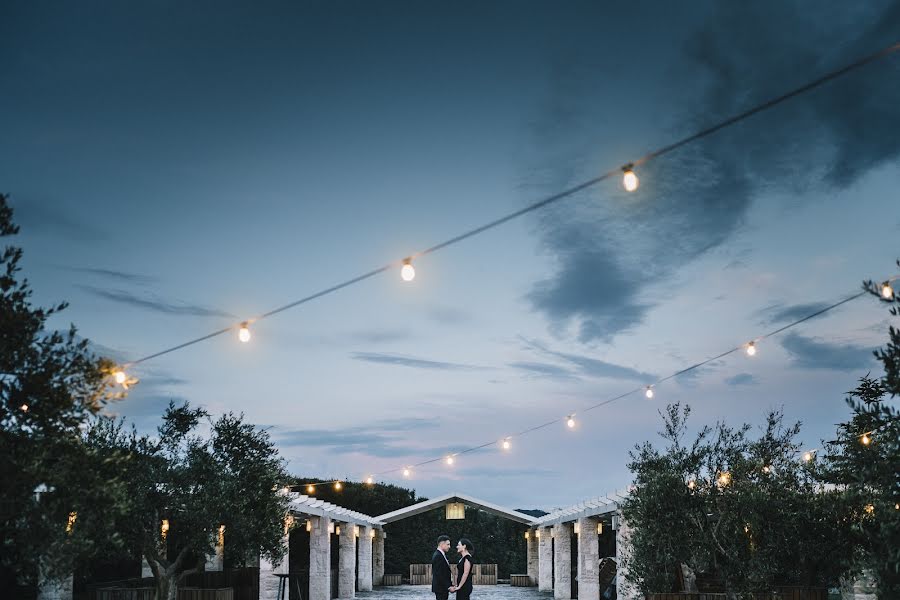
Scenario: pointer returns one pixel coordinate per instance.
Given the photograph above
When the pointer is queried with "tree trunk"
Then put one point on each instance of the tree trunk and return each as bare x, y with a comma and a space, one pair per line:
166, 586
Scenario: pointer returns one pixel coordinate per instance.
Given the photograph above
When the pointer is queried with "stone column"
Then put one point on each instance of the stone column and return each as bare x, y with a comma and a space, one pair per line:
269, 571
347, 561
319, 559
624, 589
364, 576
545, 560
533, 564
588, 559
54, 589
562, 561
378, 557
216, 560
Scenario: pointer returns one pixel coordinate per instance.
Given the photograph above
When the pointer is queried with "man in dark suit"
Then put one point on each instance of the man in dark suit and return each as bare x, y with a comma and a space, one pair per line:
441, 578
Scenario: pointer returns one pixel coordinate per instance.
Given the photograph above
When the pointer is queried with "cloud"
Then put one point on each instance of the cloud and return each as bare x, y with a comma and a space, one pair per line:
593, 367
39, 217
385, 439
152, 302
416, 363
381, 336
541, 369
112, 274
607, 247
808, 353
448, 315
742, 379
779, 313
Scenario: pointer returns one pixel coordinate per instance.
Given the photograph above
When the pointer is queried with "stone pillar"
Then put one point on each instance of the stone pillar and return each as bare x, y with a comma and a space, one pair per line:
54, 589
545, 560
216, 560
364, 575
347, 561
533, 564
562, 561
588, 559
624, 589
378, 557
268, 571
319, 559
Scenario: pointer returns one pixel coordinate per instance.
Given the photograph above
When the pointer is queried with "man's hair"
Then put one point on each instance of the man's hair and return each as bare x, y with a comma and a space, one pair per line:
443, 538
469, 547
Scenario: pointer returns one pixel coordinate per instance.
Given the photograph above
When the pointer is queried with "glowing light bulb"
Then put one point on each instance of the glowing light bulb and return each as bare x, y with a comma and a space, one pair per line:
629, 179
807, 456
870, 508
164, 528
865, 440
570, 422
649, 392
370, 480
692, 484
338, 486
449, 460
767, 469
244, 332
506, 444
407, 472
724, 479
24, 408
407, 272
751, 349
887, 292
70, 525
309, 525
119, 376
310, 489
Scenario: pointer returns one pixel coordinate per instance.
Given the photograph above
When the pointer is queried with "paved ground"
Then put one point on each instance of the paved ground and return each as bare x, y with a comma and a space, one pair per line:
481, 592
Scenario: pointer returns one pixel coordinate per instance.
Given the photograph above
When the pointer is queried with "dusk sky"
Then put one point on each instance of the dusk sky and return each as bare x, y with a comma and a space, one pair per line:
176, 169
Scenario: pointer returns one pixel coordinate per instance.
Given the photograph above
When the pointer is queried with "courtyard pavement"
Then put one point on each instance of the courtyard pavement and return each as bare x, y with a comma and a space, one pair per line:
481, 592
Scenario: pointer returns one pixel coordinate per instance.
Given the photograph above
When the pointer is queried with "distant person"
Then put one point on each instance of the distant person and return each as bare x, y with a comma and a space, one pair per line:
463, 587
441, 577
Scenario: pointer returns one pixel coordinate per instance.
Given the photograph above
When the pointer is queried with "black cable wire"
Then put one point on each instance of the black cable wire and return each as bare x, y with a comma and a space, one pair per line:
555, 197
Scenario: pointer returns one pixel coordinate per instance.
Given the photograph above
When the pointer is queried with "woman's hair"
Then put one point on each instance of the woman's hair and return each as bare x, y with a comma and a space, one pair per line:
469, 547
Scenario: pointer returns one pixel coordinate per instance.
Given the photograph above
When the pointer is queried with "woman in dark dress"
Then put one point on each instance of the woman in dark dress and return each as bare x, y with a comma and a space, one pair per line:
464, 570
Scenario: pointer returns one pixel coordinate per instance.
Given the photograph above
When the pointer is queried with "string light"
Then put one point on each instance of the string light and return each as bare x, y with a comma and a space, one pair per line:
766, 469
164, 528
724, 479
807, 456
24, 408
119, 377
506, 444
691, 484
449, 460
310, 489
870, 509
407, 472
407, 271
337, 486
887, 292
649, 391
629, 179
865, 439
370, 480
570, 421
70, 525
244, 332
751, 349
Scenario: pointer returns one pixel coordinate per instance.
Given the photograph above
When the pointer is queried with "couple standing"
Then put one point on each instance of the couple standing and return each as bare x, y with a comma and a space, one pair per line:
441, 575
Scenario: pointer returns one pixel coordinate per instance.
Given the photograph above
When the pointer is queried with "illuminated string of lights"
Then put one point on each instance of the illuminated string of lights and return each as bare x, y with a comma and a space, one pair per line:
630, 182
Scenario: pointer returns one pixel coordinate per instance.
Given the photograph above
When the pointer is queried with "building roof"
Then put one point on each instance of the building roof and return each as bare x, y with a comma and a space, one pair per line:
433, 503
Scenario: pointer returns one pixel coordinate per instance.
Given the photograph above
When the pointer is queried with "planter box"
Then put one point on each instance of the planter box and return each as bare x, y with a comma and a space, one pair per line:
393, 579
520, 581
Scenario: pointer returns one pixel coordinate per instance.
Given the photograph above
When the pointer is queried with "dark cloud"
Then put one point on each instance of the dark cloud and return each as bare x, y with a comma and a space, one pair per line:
792, 312
114, 275
808, 353
150, 301
742, 379
608, 246
542, 369
593, 367
42, 218
416, 363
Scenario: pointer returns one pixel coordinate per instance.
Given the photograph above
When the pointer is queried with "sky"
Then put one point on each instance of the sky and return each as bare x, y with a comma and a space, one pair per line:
177, 168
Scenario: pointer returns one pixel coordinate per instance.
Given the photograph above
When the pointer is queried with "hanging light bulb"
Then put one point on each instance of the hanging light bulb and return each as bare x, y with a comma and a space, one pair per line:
692, 484
751, 349
119, 376
370, 480
506, 444
865, 440
629, 179
649, 391
870, 508
887, 292
570, 421
450, 460
24, 408
337, 486
407, 271
244, 332
767, 469
724, 479
310, 489
807, 456
407, 472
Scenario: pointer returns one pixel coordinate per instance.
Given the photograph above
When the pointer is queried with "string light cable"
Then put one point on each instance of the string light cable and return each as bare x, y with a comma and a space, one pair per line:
630, 181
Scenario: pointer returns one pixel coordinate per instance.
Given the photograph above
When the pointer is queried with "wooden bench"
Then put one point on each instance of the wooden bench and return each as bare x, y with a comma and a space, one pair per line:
519, 580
